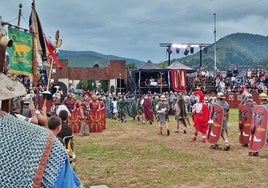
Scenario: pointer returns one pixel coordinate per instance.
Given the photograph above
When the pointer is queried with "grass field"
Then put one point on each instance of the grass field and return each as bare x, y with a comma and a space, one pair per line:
133, 155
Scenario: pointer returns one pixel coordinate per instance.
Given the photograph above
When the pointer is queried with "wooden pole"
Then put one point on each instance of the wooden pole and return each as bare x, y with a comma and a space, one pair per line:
34, 63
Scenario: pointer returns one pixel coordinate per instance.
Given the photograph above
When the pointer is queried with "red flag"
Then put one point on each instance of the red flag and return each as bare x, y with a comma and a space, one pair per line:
51, 52
178, 79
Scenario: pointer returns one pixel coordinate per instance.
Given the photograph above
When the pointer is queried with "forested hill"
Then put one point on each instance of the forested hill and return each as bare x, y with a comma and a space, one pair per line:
240, 49
90, 58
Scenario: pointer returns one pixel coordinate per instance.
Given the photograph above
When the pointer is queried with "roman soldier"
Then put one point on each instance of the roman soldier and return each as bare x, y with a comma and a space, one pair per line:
245, 109
224, 123
259, 129
94, 115
200, 115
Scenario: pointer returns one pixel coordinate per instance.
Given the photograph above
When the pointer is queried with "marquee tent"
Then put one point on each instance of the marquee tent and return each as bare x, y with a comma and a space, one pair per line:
179, 66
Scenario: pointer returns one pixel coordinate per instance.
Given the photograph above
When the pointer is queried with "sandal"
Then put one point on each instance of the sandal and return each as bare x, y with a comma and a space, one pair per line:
215, 146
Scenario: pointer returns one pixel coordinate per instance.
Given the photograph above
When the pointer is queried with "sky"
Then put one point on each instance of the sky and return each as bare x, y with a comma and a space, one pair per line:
135, 28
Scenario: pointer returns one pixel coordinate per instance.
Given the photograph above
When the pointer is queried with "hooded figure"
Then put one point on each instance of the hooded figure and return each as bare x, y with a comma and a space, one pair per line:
200, 115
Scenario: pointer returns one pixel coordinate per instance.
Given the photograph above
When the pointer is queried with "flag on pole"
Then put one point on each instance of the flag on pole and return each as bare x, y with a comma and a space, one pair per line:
36, 28
51, 52
178, 79
20, 54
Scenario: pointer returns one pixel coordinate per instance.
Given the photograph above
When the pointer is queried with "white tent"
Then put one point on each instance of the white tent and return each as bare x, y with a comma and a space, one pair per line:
179, 66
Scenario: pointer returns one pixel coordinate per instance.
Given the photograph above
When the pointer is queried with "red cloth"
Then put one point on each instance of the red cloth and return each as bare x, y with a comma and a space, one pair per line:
178, 79
147, 110
51, 51
201, 119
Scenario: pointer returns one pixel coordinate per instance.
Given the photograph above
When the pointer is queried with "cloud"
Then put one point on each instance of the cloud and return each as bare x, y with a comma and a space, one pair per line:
135, 29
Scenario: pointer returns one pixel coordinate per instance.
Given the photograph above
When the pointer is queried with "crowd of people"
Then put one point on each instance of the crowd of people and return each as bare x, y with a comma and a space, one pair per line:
230, 81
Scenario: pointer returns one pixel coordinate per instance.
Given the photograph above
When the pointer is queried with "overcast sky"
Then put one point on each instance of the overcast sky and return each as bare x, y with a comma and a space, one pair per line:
135, 28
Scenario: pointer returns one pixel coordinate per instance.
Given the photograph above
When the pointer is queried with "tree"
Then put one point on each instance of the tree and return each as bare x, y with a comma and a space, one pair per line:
104, 85
82, 85
131, 66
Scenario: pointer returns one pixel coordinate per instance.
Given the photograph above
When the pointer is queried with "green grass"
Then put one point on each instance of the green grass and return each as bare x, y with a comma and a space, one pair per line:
133, 155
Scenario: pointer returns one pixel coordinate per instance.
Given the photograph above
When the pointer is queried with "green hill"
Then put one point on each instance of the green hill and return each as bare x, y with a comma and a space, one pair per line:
90, 58
240, 50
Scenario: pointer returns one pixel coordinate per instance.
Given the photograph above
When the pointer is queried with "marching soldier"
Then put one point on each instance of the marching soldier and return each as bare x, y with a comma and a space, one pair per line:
258, 137
224, 134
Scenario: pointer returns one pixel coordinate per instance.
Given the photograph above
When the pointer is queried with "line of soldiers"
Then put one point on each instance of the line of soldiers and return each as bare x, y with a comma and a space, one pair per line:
85, 115
211, 118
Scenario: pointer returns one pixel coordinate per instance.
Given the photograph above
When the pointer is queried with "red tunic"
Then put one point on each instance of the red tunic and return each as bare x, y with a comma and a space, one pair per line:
201, 117
147, 110
95, 116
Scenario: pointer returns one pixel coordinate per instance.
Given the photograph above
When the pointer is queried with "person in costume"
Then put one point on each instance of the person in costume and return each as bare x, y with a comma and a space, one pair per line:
31, 155
83, 112
94, 114
70, 102
57, 106
121, 105
44, 164
200, 115
102, 111
162, 109
155, 100
180, 110
263, 100
108, 106
147, 111
224, 134
246, 101
54, 171
34, 116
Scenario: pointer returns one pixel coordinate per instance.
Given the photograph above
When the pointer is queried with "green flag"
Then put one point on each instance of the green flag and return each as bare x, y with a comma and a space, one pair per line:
21, 53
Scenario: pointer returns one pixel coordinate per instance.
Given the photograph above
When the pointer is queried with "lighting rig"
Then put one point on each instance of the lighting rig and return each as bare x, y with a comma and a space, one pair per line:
186, 47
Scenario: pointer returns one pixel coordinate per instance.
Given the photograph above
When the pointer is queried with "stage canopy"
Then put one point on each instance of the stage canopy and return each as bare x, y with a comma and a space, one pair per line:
179, 66
149, 66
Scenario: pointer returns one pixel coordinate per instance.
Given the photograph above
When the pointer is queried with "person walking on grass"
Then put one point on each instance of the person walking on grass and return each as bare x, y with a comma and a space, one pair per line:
259, 133
180, 113
147, 111
200, 115
220, 100
162, 109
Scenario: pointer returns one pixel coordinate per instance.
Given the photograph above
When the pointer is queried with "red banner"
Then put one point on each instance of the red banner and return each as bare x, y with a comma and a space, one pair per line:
178, 80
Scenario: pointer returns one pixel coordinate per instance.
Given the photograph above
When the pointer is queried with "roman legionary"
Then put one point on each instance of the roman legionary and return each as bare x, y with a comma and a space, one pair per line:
200, 115
102, 111
245, 109
225, 106
95, 120
70, 102
259, 128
